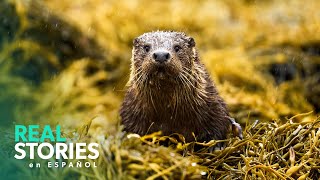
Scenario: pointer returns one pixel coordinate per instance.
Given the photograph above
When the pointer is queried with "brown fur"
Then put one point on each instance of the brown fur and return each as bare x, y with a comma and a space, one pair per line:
178, 98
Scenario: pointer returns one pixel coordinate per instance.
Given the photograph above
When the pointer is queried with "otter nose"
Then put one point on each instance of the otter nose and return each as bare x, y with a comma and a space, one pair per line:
161, 56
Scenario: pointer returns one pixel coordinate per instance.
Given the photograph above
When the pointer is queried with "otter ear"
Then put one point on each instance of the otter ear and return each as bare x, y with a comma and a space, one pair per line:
191, 42
135, 41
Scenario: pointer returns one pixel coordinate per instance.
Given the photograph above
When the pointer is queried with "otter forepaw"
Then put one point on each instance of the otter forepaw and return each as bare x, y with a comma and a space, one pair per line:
236, 128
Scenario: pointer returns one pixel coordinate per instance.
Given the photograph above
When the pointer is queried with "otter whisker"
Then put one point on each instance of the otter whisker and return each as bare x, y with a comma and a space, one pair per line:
151, 99
198, 80
186, 78
136, 77
184, 81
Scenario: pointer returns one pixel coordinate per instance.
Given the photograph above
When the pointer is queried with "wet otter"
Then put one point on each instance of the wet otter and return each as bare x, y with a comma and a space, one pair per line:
171, 91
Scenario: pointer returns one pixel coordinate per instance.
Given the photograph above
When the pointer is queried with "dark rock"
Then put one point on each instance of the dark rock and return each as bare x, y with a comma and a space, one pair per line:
312, 48
283, 72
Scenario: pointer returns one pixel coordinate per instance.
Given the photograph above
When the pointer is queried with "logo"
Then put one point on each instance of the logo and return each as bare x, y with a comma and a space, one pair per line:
49, 144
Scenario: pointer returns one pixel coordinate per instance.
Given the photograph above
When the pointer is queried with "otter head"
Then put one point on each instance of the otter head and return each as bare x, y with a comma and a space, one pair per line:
160, 58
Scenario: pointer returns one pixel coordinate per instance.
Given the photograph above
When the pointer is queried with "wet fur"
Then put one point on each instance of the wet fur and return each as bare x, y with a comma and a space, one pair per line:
182, 100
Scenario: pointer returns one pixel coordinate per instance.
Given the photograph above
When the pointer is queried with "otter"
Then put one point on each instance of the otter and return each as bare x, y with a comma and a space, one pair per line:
170, 90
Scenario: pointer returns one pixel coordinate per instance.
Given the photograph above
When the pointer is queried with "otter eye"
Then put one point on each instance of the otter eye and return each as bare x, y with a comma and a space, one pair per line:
146, 48
177, 48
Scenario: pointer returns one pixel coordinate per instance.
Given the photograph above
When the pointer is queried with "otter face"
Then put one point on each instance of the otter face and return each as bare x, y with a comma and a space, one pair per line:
161, 56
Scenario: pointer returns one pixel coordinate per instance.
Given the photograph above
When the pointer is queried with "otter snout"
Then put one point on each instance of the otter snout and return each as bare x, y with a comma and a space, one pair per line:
161, 56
